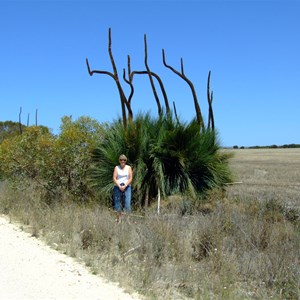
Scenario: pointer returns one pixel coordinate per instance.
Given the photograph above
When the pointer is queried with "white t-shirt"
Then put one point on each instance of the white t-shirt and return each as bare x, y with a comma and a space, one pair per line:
123, 174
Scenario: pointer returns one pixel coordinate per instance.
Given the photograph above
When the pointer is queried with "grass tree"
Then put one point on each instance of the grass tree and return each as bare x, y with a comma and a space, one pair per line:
166, 155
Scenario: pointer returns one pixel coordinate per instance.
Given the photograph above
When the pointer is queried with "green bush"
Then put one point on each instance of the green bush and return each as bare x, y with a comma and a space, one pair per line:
56, 164
167, 156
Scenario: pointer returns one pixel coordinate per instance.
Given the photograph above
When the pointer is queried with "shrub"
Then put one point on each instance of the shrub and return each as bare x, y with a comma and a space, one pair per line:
167, 157
54, 163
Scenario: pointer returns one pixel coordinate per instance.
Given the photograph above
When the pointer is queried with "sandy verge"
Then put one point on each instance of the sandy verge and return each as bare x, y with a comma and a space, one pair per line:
29, 269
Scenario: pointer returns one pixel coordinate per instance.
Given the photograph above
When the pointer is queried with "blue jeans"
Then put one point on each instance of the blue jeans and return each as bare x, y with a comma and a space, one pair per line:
118, 198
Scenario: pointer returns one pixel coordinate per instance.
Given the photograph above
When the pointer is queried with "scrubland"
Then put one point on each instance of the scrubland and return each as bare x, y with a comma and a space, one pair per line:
241, 242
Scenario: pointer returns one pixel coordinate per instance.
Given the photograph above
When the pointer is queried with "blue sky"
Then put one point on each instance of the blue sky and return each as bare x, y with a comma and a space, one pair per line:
251, 47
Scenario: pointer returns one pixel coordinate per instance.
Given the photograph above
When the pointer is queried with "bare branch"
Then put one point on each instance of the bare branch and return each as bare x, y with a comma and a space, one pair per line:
175, 112
160, 84
111, 56
182, 70
150, 77
130, 84
150, 74
98, 71
182, 75
211, 121
128, 81
115, 76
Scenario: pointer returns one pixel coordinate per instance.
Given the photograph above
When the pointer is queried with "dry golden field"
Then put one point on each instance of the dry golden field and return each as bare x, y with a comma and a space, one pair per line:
266, 174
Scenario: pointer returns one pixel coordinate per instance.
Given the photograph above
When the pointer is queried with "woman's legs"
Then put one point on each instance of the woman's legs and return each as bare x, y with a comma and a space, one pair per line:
127, 199
117, 199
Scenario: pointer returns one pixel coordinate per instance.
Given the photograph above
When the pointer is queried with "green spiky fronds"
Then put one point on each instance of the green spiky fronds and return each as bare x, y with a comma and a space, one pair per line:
164, 153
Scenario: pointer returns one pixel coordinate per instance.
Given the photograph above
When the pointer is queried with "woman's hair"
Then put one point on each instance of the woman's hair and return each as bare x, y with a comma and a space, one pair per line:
122, 156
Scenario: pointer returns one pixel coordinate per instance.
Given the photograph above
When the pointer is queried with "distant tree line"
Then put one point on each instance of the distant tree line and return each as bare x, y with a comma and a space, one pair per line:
268, 147
9, 129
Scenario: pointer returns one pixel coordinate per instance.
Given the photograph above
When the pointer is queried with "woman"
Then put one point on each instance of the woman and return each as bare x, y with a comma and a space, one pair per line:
122, 179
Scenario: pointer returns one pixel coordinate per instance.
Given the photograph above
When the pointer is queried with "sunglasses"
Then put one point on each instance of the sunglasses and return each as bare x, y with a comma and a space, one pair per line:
122, 159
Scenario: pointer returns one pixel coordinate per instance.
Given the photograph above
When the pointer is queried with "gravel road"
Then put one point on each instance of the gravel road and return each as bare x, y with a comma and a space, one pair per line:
29, 269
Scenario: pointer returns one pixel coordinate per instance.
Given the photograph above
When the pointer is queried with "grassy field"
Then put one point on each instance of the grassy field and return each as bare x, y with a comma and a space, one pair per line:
267, 174
241, 243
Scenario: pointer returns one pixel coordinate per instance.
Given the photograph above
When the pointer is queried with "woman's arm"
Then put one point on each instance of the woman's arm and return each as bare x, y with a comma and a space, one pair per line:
129, 176
115, 176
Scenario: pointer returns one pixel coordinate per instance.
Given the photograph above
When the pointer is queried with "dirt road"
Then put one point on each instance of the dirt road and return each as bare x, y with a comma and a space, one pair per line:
31, 270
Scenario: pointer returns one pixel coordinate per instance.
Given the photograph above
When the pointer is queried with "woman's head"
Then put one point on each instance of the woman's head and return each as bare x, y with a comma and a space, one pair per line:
122, 157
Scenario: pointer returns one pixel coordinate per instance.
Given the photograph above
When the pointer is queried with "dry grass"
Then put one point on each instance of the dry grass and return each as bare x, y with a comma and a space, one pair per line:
267, 174
241, 244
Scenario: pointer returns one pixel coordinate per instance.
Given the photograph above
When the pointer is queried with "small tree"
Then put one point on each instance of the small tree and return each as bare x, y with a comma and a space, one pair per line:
167, 155
58, 164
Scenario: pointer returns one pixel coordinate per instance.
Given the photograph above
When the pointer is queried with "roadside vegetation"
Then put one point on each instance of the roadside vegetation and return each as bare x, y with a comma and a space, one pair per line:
206, 224
213, 238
